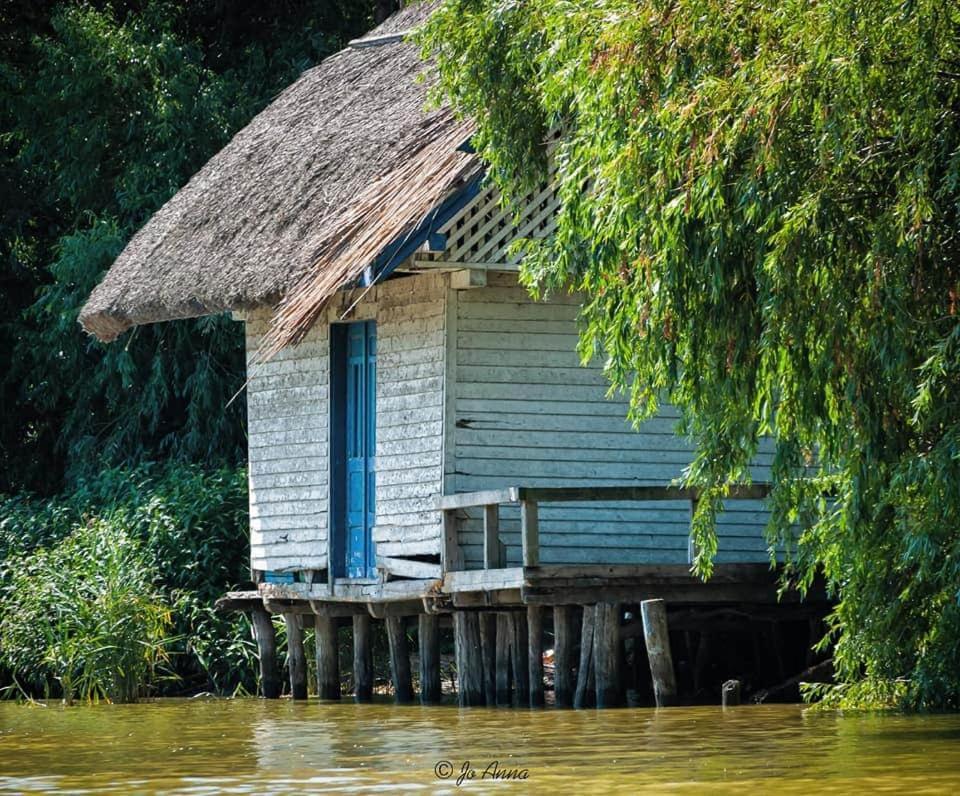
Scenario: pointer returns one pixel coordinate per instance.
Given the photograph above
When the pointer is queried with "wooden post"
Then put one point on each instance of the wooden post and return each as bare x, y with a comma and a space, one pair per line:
530, 533
362, 659
504, 643
581, 698
450, 552
518, 659
466, 636
428, 637
730, 693
399, 659
535, 654
266, 638
488, 647
328, 663
606, 655
563, 656
491, 537
296, 659
657, 639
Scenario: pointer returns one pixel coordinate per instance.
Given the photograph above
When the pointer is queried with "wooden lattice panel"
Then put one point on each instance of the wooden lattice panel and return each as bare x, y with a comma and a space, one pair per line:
482, 231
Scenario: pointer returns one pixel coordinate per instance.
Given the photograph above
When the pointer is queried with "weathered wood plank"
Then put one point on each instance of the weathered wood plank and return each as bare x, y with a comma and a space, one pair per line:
491, 537
466, 633
406, 568
399, 659
563, 683
535, 655
469, 499
518, 658
504, 644
606, 655
266, 638
488, 647
428, 639
296, 659
328, 657
583, 696
657, 639
530, 533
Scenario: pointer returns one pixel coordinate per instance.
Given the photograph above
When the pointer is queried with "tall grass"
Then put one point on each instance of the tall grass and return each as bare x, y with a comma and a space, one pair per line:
107, 591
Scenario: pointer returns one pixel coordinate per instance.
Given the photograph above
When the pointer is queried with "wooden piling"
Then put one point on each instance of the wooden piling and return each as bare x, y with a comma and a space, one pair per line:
466, 636
518, 659
504, 642
606, 655
582, 697
488, 648
399, 659
657, 640
296, 658
328, 662
266, 638
428, 638
362, 659
730, 693
563, 684
535, 654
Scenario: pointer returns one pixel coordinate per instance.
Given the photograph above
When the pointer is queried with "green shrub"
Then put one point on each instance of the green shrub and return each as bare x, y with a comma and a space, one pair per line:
86, 613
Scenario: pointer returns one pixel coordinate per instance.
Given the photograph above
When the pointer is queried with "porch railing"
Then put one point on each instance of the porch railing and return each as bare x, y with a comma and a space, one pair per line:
530, 498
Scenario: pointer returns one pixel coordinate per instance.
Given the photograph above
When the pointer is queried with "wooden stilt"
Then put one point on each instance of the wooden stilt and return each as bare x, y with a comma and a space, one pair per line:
504, 642
466, 636
488, 647
399, 659
657, 640
535, 654
429, 640
296, 659
606, 655
266, 639
328, 652
581, 698
563, 656
518, 659
730, 693
362, 659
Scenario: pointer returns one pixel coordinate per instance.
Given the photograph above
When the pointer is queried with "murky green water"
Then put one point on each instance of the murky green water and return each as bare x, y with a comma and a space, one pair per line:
251, 746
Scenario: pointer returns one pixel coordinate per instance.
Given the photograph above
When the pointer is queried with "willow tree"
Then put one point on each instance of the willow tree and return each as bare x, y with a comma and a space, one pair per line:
759, 201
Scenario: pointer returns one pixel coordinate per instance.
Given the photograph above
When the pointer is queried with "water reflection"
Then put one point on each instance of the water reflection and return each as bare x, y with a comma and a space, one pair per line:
251, 746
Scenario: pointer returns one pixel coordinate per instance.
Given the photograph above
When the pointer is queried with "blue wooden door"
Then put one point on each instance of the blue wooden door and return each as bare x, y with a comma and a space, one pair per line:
361, 362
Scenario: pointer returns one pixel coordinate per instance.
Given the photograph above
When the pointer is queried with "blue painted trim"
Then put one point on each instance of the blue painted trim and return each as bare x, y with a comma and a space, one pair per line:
278, 577
401, 248
437, 241
338, 451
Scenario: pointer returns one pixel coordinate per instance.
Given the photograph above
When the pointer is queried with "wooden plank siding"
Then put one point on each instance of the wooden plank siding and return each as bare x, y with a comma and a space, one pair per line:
527, 413
288, 420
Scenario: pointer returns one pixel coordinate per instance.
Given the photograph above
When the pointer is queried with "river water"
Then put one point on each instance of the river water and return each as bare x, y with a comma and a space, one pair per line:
253, 746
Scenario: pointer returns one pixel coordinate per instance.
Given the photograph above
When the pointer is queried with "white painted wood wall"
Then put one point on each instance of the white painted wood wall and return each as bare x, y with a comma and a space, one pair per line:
527, 413
288, 417
475, 389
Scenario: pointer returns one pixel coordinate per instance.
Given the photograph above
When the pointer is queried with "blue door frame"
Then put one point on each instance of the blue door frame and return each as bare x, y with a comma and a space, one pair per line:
353, 446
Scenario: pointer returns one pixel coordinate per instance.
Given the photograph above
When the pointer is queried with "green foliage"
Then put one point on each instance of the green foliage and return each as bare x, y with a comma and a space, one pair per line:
760, 203
106, 110
185, 527
86, 614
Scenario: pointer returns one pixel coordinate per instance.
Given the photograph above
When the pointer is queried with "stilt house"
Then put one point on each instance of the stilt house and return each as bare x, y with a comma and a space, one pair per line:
423, 437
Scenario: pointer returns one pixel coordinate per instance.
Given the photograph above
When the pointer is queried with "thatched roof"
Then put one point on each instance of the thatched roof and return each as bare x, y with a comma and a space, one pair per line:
261, 215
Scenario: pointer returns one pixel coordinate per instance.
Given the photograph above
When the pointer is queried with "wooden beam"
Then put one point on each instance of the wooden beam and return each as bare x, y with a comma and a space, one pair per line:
466, 500
483, 580
518, 658
405, 568
328, 657
362, 659
266, 638
563, 684
535, 655
562, 494
530, 533
504, 640
657, 638
466, 636
488, 648
399, 659
296, 659
491, 537
468, 278
428, 638
582, 696
606, 655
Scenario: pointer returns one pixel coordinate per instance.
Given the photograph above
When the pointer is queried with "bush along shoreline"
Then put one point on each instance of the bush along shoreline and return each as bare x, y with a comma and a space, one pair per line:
107, 592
